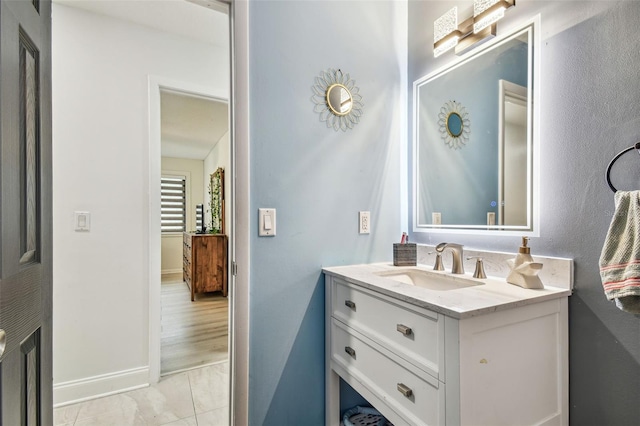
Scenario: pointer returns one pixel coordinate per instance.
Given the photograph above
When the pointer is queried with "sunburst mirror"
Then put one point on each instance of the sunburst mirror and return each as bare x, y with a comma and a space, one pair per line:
337, 100
454, 124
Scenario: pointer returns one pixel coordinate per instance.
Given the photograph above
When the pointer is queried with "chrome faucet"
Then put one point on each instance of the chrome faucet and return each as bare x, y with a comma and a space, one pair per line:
456, 251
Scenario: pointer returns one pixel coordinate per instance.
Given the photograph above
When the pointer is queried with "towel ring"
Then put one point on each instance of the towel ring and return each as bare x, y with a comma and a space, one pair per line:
624, 151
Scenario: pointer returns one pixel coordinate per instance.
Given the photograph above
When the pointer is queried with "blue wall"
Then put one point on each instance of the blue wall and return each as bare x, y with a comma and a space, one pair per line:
590, 109
318, 180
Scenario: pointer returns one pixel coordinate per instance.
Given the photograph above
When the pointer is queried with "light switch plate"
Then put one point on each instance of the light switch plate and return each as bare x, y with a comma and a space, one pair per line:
82, 221
266, 222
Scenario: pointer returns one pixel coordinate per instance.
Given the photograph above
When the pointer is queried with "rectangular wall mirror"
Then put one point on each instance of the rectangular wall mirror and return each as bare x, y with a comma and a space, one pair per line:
476, 144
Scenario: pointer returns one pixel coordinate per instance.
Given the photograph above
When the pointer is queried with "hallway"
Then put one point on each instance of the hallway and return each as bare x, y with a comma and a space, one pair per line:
194, 334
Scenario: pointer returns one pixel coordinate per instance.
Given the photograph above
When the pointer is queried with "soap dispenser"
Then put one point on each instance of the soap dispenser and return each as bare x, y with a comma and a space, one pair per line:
524, 271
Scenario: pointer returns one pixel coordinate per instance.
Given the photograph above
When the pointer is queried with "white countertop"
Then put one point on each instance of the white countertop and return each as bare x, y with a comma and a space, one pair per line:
493, 295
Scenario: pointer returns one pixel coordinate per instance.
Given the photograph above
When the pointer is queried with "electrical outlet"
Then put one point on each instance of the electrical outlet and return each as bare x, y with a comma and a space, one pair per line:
364, 222
436, 218
491, 218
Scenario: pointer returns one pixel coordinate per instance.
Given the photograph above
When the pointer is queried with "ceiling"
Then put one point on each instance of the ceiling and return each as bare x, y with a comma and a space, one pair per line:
202, 20
190, 125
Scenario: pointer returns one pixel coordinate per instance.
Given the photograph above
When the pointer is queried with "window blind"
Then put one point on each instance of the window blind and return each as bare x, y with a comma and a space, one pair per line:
173, 204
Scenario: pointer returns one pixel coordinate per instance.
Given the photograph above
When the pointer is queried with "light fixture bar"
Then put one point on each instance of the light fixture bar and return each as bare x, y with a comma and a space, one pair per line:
448, 34
473, 40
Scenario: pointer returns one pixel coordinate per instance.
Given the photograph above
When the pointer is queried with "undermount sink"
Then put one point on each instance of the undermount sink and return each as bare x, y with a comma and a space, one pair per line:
429, 280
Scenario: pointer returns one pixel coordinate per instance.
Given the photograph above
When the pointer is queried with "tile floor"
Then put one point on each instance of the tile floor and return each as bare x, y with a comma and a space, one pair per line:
198, 397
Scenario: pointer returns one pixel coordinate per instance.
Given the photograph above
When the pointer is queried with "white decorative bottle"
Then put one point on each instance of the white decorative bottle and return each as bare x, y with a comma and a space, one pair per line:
524, 271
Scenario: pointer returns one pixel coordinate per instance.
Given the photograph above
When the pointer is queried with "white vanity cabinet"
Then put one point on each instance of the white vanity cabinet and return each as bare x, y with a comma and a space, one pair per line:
417, 366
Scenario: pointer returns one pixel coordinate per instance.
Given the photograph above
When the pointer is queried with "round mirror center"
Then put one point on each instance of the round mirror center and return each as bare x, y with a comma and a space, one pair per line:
454, 124
339, 99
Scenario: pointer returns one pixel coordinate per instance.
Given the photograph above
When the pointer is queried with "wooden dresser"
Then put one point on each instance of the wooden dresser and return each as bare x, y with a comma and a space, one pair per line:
205, 262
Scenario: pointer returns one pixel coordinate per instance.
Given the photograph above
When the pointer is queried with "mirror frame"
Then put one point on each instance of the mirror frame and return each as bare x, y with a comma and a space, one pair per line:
533, 138
324, 83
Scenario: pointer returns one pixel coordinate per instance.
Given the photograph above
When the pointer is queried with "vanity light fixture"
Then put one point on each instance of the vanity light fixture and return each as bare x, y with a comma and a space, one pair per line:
488, 12
445, 32
448, 34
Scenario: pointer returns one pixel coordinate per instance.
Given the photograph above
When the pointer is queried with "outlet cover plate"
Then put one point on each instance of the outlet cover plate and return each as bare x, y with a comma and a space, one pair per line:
364, 222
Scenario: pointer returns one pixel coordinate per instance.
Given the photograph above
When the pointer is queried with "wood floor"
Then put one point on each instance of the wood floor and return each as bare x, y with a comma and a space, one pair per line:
193, 333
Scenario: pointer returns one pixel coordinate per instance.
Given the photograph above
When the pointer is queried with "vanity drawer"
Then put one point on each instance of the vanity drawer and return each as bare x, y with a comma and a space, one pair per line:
413, 395
414, 334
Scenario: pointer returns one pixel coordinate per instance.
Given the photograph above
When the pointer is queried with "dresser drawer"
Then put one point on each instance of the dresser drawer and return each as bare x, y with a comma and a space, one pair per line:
413, 395
414, 334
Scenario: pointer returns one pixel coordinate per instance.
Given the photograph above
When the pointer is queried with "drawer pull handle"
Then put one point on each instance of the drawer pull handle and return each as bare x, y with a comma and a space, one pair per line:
350, 304
350, 351
405, 390
404, 329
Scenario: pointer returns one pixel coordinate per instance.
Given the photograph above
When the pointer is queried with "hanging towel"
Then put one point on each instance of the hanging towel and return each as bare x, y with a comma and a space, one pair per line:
620, 257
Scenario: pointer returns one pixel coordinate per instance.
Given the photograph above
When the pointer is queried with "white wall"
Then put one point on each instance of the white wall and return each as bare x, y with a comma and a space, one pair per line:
101, 164
219, 156
194, 189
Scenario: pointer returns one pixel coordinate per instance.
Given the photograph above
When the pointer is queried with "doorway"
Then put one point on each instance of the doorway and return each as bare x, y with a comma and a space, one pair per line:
116, 136
195, 145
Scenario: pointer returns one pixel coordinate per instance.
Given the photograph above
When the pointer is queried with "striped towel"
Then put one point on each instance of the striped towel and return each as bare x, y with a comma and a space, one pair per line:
620, 257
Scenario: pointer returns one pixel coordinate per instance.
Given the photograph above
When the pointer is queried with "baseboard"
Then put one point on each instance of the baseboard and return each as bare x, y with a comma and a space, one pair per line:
88, 388
170, 271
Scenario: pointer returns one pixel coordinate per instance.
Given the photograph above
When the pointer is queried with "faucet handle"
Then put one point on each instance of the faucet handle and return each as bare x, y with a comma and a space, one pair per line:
479, 272
437, 266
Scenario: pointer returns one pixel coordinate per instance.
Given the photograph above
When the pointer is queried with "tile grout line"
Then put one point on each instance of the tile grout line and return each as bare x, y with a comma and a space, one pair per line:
193, 404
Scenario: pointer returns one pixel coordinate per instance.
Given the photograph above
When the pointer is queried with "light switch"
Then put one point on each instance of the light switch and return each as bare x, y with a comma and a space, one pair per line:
266, 222
82, 221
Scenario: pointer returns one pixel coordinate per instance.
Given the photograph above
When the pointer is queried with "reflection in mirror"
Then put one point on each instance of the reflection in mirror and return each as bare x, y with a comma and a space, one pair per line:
454, 124
512, 154
485, 183
339, 99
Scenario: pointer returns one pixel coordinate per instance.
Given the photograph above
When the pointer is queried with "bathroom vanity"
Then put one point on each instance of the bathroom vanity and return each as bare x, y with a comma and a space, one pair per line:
432, 348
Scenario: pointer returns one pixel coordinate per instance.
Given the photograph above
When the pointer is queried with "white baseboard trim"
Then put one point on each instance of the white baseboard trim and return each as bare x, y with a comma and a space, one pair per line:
170, 271
74, 391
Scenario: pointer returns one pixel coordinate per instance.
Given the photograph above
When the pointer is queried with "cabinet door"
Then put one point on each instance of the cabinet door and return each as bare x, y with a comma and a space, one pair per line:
511, 366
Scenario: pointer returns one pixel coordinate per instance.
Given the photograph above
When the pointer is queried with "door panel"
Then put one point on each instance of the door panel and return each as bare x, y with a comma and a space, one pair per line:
25, 212
30, 379
29, 144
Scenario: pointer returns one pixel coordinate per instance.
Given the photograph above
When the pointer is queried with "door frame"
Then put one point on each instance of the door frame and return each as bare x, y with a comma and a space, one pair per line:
239, 229
515, 92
